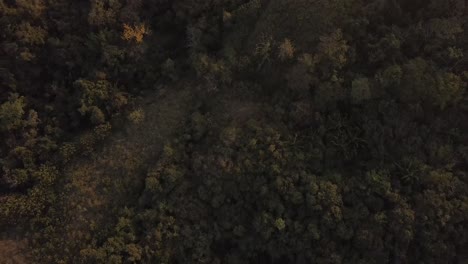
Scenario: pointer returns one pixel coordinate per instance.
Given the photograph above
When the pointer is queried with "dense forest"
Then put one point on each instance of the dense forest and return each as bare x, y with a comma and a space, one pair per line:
234, 131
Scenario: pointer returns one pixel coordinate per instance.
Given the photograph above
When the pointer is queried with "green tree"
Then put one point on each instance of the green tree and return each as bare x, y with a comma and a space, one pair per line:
12, 113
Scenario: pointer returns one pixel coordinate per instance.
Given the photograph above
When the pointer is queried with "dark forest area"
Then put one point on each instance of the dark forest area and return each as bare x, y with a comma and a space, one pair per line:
233, 131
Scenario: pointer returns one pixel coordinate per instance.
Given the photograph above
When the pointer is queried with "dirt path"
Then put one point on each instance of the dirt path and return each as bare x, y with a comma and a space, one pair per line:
98, 181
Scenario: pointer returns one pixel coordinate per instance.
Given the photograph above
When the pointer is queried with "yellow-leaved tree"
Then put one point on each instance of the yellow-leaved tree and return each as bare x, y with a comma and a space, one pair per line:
137, 32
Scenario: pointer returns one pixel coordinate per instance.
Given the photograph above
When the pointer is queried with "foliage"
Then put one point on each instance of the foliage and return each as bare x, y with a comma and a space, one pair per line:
235, 131
134, 33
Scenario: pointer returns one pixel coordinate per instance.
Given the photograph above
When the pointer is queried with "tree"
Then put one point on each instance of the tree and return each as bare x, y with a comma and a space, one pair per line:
332, 52
135, 33
12, 112
103, 12
286, 50
360, 90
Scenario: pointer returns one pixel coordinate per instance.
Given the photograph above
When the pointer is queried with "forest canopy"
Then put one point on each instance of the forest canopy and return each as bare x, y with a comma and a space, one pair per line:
234, 131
